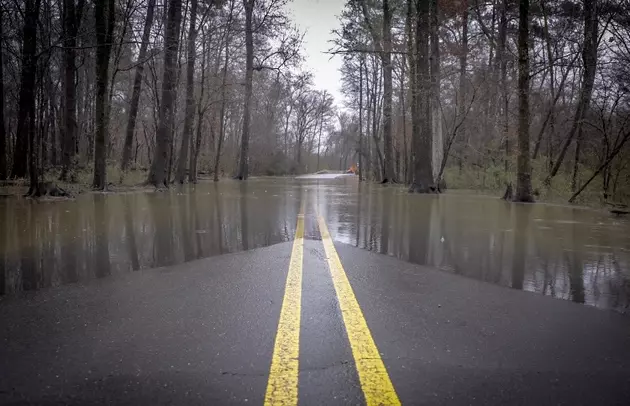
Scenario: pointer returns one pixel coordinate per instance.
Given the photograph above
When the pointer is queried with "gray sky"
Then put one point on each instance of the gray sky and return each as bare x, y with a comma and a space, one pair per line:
317, 18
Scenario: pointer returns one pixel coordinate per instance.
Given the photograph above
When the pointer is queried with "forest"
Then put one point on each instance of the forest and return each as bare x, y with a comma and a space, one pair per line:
522, 96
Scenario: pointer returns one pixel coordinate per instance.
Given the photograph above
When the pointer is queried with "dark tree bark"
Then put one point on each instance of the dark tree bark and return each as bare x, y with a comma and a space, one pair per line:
589, 59
3, 142
386, 58
137, 87
104, 17
502, 60
249, 72
71, 22
524, 167
26, 103
189, 114
157, 175
422, 120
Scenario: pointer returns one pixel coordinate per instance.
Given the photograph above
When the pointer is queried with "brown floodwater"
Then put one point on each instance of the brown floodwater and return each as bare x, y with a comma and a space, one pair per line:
568, 253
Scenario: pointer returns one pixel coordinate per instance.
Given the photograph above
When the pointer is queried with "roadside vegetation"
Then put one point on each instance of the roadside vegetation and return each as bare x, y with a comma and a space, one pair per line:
501, 96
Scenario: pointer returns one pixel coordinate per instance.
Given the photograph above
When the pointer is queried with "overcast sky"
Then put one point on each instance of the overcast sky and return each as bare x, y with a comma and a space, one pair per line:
318, 18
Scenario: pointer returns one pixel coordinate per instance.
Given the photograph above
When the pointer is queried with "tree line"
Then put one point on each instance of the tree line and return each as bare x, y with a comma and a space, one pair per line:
523, 92
174, 87
530, 92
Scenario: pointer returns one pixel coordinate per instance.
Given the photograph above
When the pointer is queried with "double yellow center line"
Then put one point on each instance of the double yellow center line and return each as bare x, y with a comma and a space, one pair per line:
282, 387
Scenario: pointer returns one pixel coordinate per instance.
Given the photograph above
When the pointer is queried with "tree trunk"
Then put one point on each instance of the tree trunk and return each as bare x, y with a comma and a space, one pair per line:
422, 120
368, 110
194, 149
189, 115
386, 58
438, 142
217, 157
409, 28
137, 87
249, 73
26, 103
502, 60
104, 14
552, 83
71, 23
461, 100
157, 175
361, 63
589, 58
3, 142
524, 167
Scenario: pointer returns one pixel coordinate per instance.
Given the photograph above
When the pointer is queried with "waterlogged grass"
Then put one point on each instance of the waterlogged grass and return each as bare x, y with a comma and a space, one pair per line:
132, 180
492, 180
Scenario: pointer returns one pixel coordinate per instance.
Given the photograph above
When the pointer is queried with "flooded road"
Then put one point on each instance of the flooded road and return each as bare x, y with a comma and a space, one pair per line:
572, 254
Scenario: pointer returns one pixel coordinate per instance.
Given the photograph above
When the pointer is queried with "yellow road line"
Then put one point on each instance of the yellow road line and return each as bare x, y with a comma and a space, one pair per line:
375, 382
282, 387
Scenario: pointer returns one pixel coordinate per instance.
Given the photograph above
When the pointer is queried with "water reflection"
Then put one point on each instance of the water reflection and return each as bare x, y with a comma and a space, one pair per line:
572, 254
568, 253
46, 244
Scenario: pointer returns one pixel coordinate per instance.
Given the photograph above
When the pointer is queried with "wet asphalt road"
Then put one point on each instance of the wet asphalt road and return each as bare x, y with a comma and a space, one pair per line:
203, 333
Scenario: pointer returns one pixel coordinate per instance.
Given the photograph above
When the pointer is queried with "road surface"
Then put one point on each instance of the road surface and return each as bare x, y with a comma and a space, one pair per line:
309, 321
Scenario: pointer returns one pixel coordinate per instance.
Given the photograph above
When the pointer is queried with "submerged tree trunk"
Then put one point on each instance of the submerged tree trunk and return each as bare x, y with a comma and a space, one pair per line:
189, 115
249, 73
157, 175
524, 167
104, 14
422, 123
589, 59
137, 87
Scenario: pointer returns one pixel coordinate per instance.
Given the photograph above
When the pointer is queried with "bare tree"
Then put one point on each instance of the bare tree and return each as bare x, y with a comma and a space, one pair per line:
26, 105
189, 115
137, 87
247, 101
421, 121
104, 17
72, 16
589, 59
524, 174
157, 175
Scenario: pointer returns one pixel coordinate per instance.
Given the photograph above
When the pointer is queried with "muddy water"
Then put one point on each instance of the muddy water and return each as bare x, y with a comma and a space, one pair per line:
573, 254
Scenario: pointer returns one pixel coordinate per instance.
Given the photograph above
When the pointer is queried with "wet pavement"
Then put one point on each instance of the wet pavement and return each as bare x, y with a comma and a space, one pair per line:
78, 324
